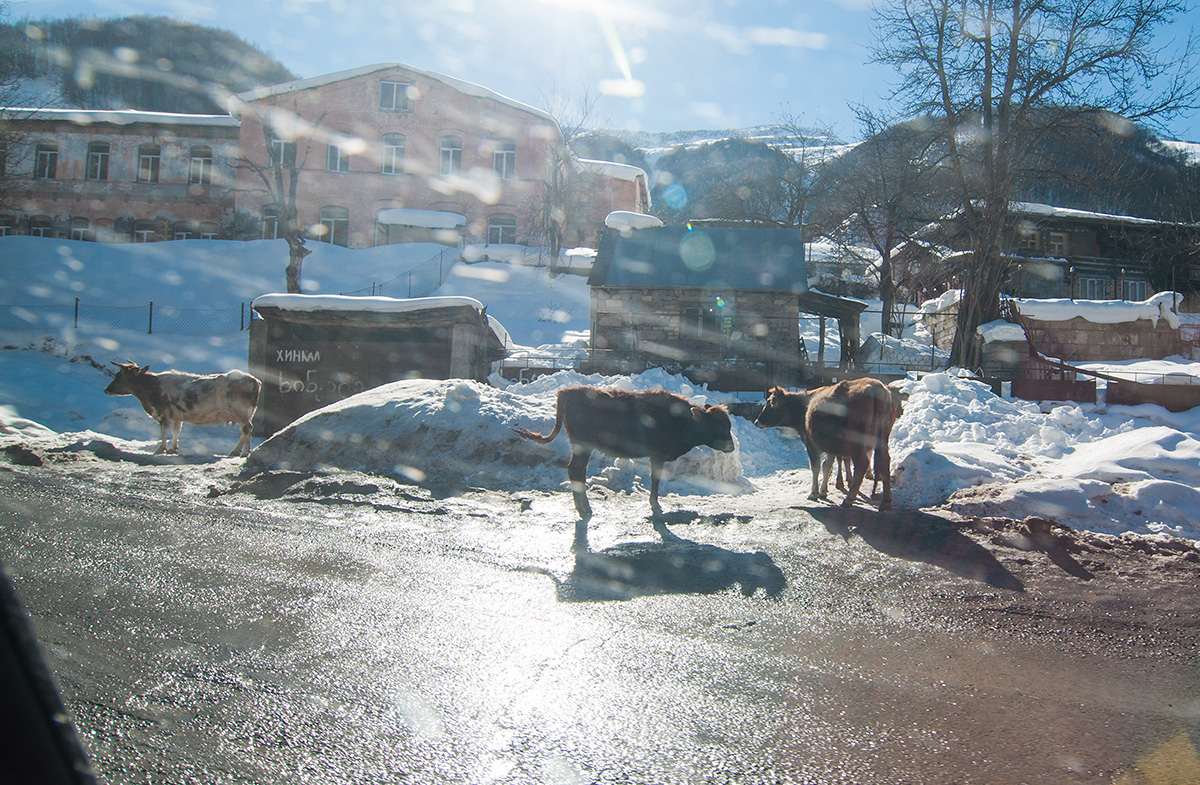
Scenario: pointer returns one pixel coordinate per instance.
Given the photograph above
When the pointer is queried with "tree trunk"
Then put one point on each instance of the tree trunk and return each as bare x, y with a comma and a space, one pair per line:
296, 254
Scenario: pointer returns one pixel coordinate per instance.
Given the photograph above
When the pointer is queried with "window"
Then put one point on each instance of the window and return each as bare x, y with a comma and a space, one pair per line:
270, 222
395, 97
6, 225
504, 159
698, 323
3, 158
80, 229
334, 226
1057, 243
1135, 290
502, 230
45, 163
149, 160
209, 231
1089, 288
393, 154
182, 230
450, 155
202, 163
143, 232
97, 161
283, 153
337, 158
41, 226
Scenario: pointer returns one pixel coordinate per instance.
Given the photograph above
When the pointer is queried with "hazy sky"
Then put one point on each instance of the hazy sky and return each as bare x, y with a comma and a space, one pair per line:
659, 65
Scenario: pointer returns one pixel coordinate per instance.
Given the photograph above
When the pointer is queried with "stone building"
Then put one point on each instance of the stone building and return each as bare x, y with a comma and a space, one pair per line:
121, 176
718, 304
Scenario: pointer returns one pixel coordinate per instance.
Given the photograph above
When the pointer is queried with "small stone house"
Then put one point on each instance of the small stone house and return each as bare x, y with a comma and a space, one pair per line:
313, 350
718, 304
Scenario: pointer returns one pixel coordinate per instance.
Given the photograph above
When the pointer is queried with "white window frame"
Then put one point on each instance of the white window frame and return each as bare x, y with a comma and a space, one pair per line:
279, 153
97, 161
450, 150
336, 157
395, 97
45, 166
270, 218
1089, 287
149, 163
393, 154
1135, 290
202, 166
332, 225
504, 159
1056, 243
502, 229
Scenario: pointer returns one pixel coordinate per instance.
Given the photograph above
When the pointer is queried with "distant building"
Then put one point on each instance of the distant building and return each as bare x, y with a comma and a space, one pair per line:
121, 176
386, 153
719, 304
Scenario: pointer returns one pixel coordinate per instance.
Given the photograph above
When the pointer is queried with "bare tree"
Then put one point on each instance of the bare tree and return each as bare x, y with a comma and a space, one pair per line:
283, 132
564, 183
999, 76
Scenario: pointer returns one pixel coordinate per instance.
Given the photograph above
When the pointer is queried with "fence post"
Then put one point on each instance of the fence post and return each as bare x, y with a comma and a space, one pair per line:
150, 329
242, 321
76, 313
410, 283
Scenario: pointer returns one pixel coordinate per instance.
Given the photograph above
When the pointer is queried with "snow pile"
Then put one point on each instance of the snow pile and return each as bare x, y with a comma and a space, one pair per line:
1164, 305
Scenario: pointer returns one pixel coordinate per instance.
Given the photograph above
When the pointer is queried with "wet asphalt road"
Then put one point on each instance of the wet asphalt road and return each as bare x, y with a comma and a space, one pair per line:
346, 629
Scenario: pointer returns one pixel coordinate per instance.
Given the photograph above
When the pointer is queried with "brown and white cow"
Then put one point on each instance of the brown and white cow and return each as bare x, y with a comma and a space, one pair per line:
173, 398
658, 425
850, 419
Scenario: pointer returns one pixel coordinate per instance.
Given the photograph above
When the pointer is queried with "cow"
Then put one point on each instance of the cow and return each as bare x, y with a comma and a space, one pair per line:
850, 419
172, 398
655, 424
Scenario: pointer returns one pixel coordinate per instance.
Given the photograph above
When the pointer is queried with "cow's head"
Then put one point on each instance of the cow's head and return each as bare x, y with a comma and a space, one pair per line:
780, 408
126, 378
715, 426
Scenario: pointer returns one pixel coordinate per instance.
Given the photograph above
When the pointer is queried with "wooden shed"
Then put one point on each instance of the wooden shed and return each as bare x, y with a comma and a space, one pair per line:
314, 350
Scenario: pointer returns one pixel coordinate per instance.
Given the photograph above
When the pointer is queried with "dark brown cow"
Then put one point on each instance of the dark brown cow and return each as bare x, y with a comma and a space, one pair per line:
657, 425
172, 398
849, 419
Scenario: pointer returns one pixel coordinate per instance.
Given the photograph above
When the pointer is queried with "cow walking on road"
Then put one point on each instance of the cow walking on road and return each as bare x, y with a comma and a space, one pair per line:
173, 398
658, 425
850, 419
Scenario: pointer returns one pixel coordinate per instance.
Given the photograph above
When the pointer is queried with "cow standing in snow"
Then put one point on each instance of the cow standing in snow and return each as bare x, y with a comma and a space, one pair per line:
172, 398
850, 419
658, 425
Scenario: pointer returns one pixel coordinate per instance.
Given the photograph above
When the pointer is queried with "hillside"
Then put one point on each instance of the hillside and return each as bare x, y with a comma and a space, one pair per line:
150, 63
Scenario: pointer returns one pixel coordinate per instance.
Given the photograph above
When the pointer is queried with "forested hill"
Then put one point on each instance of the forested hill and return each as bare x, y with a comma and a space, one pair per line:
151, 63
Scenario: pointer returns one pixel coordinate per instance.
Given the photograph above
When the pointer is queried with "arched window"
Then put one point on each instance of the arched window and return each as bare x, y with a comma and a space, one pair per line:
202, 165
209, 231
149, 160
144, 231
504, 159
270, 222
182, 230
45, 162
41, 226
97, 161
6, 225
334, 226
393, 154
450, 155
337, 155
502, 229
81, 229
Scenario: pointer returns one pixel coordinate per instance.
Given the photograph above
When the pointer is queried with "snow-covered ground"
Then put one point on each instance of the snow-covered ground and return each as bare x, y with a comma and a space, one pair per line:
1107, 469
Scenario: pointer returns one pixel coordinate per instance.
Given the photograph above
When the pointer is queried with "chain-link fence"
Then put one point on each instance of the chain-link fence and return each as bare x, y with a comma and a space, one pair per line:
420, 281
151, 318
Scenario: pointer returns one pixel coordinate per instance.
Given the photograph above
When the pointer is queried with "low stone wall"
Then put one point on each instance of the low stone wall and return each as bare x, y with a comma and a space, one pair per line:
1078, 340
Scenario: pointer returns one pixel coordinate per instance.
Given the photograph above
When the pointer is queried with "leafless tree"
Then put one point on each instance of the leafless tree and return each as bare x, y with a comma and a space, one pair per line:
564, 183
288, 139
999, 76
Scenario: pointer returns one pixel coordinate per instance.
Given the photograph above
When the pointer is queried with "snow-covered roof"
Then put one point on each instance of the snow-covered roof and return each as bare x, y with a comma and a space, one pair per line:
429, 219
468, 88
121, 117
1161, 306
611, 169
625, 219
1046, 210
337, 302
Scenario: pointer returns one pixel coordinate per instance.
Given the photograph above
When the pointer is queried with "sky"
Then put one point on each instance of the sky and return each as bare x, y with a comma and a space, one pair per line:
958, 446
655, 65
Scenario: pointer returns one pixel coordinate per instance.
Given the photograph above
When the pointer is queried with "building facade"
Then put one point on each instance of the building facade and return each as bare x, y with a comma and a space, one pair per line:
121, 176
381, 154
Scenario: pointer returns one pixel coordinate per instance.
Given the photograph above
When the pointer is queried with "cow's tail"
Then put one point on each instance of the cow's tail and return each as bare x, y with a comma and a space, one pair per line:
531, 436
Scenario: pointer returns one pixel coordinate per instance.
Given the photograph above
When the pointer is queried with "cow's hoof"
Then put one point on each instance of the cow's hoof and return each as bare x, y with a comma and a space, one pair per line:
172, 452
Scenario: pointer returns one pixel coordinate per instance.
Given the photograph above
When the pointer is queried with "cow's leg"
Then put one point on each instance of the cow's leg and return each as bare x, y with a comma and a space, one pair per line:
826, 470
164, 429
814, 463
243, 445
656, 467
860, 471
577, 475
176, 426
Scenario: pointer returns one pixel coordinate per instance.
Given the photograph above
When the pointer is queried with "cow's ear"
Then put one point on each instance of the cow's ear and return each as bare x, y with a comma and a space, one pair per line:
143, 369
697, 413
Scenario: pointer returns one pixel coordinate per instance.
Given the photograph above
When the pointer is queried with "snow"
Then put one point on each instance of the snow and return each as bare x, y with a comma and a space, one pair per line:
1111, 469
1163, 305
335, 302
625, 220
122, 117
